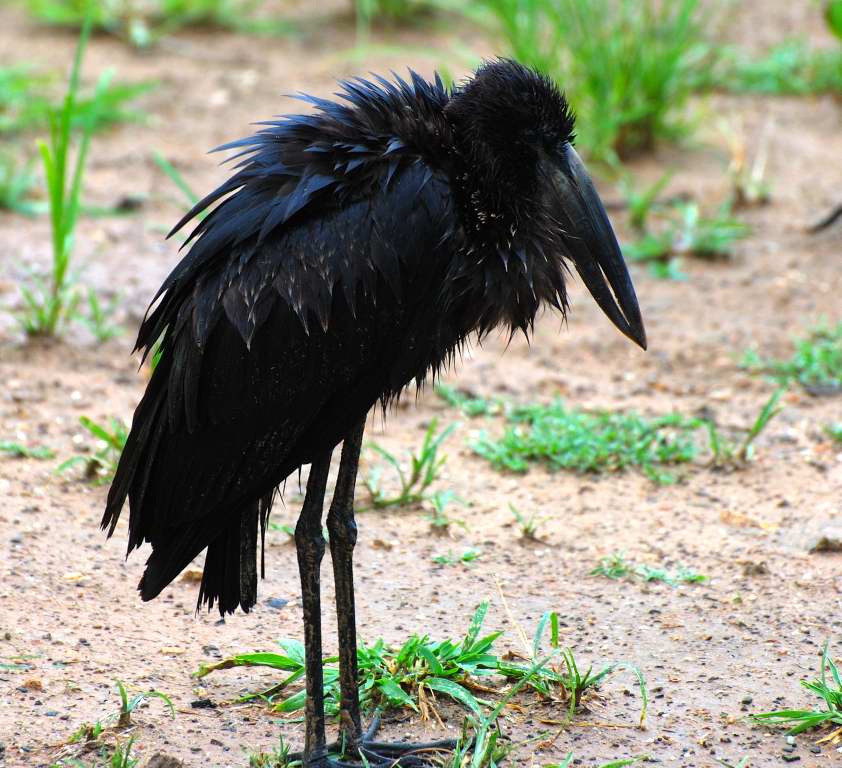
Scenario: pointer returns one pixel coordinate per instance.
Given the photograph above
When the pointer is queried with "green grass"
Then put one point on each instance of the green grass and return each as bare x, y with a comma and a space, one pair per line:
583, 441
834, 431
19, 451
114, 753
51, 302
440, 520
462, 670
100, 317
628, 66
415, 480
641, 203
121, 757
180, 182
277, 758
816, 363
26, 102
827, 687
17, 181
616, 566
467, 557
392, 12
686, 232
100, 466
145, 24
605, 441
469, 405
791, 68
122, 718
527, 524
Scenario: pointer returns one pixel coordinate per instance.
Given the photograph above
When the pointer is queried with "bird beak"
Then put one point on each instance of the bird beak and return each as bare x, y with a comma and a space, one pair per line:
594, 249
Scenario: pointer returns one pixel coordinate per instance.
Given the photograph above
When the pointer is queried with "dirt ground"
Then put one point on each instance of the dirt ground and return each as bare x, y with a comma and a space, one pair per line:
70, 620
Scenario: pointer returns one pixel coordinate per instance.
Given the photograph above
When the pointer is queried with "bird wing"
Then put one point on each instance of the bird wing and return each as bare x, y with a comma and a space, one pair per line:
274, 346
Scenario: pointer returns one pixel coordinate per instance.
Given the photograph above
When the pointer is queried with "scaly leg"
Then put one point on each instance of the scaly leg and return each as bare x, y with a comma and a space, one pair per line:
310, 546
343, 536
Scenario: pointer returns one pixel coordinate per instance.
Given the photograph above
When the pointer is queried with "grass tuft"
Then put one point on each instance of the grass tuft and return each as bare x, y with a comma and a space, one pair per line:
792, 68
685, 232
17, 181
828, 687
19, 451
816, 363
89, 736
143, 25
528, 524
468, 556
440, 520
597, 442
605, 441
277, 758
413, 674
469, 405
51, 302
102, 464
415, 481
392, 12
47, 306
26, 102
616, 566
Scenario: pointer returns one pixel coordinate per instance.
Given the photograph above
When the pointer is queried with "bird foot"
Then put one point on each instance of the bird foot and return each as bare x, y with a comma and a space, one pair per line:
382, 754
369, 753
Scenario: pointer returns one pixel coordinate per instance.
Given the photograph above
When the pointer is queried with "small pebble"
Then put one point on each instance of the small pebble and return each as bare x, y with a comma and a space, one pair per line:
791, 758
203, 704
746, 700
276, 602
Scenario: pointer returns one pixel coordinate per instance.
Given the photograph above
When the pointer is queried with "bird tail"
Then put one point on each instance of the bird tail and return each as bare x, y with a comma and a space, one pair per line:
230, 573
229, 577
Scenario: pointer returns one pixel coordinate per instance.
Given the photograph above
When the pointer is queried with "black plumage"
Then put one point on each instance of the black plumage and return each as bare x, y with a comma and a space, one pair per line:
352, 253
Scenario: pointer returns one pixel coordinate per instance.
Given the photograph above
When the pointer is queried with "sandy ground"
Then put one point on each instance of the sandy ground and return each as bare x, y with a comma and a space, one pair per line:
70, 621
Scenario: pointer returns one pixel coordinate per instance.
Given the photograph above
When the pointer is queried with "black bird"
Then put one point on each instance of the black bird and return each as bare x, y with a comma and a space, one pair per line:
354, 251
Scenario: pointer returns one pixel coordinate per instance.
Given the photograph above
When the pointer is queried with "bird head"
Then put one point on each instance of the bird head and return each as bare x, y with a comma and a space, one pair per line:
527, 199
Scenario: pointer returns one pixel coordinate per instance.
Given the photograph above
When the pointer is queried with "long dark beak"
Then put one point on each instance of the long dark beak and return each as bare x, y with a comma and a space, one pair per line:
594, 249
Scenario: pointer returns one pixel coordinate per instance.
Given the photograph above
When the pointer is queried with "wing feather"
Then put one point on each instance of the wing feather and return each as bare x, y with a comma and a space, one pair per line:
311, 333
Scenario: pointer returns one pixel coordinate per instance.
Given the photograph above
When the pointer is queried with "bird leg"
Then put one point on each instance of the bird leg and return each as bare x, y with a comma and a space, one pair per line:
310, 546
343, 536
